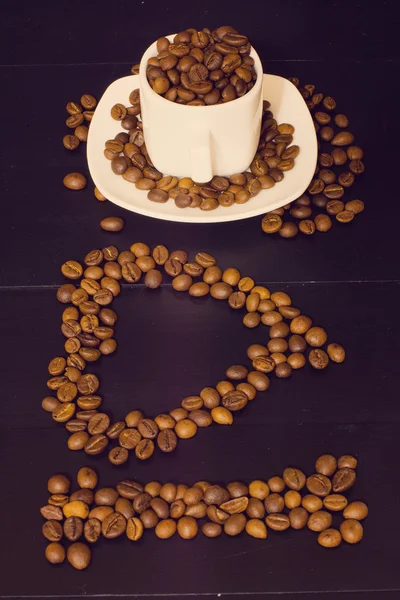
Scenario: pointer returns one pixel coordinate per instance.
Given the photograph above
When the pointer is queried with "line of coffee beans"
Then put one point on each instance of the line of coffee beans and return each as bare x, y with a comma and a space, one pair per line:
339, 163
79, 113
292, 500
128, 155
202, 68
79, 117
89, 324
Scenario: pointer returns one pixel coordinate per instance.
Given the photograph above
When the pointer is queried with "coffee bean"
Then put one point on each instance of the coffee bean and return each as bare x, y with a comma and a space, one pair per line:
75, 181
144, 449
278, 522
343, 138
129, 438
55, 553
326, 464
165, 529
148, 428
64, 412
113, 525
312, 503
79, 555
319, 485
106, 496
112, 224
52, 531
343, 479
73, 528
235, 524
298, 517
330, 538
322, 223
118, 455
96, 444
335, 502
355, 510
78, 440
259, 380
318, 359
234, 400
167, 440
347, 461
58, 500
92, 530
134, 529
352, 531
294, 478
274, 503
292, 499
319, 520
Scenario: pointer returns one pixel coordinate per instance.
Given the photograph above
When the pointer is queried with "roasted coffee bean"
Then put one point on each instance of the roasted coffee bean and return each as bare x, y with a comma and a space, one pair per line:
318, 358
118, 455
330, 538
59, 499
356, 510
352, 531
106, 496
235, 524
112, 224
335, 502
298, 517
326, 465
167, 440
144, 449
319, 520
113, 525
96, 444
322, 223
319, 485
294, 478
259, 380
148, 428
343, 479
52, 531
274, 503
129, 438
255, 509
92, 530
75, 181
55, 553
278, 522
347, 461
73, 528
312, 503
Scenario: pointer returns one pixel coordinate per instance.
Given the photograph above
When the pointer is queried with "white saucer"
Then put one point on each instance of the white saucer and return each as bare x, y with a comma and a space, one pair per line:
287, 105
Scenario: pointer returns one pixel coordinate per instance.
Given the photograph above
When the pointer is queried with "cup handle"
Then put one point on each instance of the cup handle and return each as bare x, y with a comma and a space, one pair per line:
201, 155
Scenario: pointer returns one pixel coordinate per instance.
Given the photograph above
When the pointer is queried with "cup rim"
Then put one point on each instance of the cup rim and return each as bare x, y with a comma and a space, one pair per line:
258, 83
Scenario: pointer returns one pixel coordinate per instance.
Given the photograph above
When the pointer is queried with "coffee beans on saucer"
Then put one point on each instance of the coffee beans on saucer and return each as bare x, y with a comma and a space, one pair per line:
129, 510
127, 153
327, 198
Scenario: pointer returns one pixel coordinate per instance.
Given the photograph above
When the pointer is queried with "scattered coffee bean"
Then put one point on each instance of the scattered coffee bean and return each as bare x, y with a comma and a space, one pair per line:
75, 181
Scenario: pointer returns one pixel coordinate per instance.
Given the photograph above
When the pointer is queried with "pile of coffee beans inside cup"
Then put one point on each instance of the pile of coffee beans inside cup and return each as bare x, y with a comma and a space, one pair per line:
88, 325
291, 500
202, 68
129, 157
339, 163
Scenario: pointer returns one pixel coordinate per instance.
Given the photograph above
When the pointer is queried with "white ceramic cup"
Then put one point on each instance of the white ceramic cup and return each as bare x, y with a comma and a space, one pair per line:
201, 141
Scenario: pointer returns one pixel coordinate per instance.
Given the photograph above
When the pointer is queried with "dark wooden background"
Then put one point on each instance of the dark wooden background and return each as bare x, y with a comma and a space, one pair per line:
170, 347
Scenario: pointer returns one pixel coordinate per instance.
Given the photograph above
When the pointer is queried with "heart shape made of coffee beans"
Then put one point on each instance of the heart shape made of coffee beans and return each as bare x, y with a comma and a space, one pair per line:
88, 326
